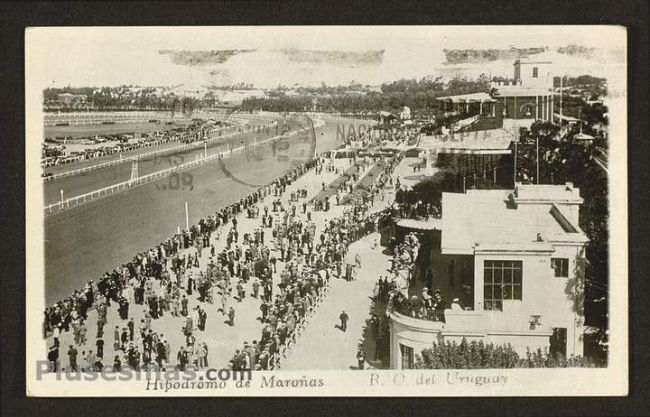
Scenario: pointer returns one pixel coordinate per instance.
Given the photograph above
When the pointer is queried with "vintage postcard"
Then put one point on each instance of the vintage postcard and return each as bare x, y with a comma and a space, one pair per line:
326, 211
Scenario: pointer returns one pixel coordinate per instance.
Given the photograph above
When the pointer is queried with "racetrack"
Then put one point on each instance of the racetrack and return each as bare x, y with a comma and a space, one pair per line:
82, 131
93, 180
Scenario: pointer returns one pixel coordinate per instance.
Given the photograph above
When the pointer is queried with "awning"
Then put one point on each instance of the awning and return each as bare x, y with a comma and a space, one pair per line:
484, 142
468, 98
429, 224
583, 136
462, 151
565, 118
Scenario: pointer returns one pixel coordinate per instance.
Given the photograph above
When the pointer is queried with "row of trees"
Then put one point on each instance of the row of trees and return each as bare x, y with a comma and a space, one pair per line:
418, 94
589, 113
562, 161
122, 98
52, 94
595, 86
327, 89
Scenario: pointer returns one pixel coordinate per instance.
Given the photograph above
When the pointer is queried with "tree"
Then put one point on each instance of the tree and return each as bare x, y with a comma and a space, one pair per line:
562, 161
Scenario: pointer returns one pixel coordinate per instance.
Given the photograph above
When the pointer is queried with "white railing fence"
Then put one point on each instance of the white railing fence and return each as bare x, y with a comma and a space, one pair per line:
216, 133
113, 189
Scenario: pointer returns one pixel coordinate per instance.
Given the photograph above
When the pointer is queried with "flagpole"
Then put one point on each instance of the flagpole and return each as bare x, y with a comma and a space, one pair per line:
561, 94
514, 172
537, 150
187, 217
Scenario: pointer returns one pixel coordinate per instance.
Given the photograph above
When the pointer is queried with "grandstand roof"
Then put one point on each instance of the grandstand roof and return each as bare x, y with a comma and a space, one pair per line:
468, 98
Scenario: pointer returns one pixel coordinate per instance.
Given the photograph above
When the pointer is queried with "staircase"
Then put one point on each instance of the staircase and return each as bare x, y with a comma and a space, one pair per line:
483, 123
464, 123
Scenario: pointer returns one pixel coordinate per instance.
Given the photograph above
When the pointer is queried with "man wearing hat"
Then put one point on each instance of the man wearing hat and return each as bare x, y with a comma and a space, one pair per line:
344, 320
72, 355
256, 286
53, 357
439, 306
250, 355
282, 331
117, 344
426, 298
455, 304
361, 358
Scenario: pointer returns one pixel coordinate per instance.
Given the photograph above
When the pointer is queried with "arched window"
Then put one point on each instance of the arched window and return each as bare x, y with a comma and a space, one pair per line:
528, 110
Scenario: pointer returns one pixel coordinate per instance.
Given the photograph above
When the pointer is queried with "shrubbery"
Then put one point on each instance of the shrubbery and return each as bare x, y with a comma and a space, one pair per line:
479, 355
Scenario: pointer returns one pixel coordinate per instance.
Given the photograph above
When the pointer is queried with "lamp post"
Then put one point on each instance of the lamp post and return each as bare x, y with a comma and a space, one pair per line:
537, 159
514, 169
561, 94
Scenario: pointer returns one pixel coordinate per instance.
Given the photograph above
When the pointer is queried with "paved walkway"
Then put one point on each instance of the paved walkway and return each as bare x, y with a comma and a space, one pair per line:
323, 345
404, 170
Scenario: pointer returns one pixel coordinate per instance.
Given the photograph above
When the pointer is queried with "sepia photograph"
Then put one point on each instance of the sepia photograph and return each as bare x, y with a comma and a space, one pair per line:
326, 210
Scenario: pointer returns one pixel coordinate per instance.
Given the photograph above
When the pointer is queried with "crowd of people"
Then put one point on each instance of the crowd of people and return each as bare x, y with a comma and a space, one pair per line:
427, 306
118, 143
417, 210
311, 260
161, 279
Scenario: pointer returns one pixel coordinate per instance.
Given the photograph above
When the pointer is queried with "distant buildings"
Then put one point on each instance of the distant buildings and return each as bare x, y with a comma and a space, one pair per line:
236, 97
374, 88
195, 91
405, 114
70, 100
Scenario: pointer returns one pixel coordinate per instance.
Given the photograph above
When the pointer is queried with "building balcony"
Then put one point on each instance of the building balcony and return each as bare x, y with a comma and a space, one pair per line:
410, 335
472, 322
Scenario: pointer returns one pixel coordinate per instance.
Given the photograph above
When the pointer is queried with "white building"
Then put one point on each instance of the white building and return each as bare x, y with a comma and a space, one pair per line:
238, 96
517, 102
405, 114
528, 97
515, 261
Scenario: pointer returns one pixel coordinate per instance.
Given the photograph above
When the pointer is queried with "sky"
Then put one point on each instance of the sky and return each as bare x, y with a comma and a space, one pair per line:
99, 56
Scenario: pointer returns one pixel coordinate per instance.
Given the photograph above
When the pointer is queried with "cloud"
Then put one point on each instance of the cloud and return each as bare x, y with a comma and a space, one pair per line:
346, 58
202, 58
269, 55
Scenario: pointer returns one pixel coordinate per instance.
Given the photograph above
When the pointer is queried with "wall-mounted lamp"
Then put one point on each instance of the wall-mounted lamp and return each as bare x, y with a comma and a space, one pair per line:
535, 320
